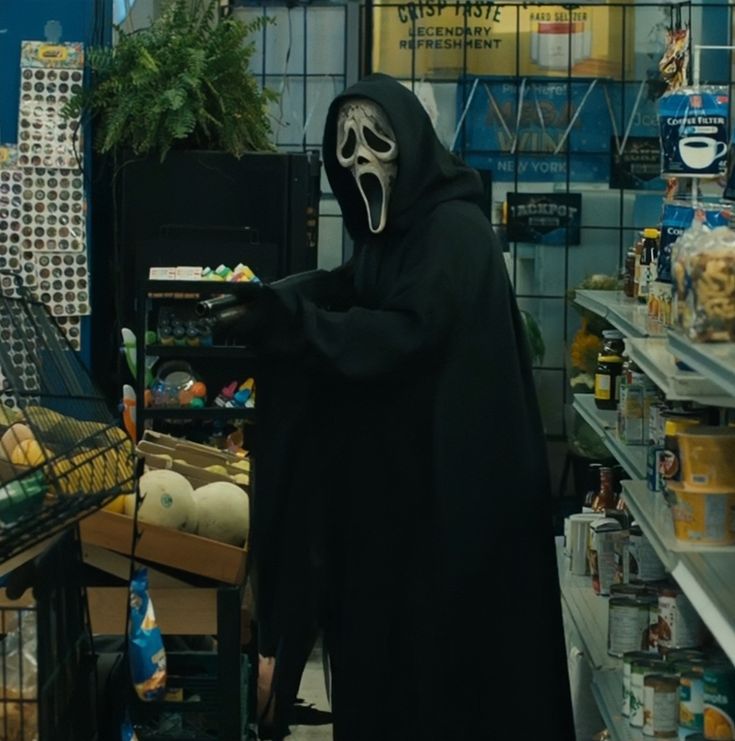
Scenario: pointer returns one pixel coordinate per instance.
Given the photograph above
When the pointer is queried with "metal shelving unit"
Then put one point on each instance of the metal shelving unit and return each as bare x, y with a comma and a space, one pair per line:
704, 573
589, 614
715, 361
653, 356
630, 317
631, 457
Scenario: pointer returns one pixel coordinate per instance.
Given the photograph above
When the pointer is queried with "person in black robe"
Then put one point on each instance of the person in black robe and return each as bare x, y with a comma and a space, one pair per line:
402, 501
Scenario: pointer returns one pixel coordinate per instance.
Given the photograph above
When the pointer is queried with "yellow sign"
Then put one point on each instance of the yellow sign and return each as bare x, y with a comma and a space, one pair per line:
53, 53
435, 38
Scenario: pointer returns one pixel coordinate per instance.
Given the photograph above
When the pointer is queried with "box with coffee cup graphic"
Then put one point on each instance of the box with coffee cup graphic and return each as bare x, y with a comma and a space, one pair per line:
694, 132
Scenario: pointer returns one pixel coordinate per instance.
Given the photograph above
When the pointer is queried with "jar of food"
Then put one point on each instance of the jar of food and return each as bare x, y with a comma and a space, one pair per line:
649, 255
607, 381
613, 342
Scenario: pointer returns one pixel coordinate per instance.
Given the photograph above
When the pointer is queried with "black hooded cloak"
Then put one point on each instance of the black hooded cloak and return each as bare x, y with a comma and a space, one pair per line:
403, 501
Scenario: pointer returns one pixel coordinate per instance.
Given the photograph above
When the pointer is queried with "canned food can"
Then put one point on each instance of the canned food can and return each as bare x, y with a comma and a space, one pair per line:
640, 669
628, 660
630, 589
719, 702
627, 625
679, 625
661, 705
691, 700
603, 536
644, 564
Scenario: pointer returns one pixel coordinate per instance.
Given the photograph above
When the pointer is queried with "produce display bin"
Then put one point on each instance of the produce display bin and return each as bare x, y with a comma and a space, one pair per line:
191, 553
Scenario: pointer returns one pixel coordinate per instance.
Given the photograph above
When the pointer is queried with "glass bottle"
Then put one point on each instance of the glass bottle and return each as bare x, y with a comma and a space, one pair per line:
649, 255
605, 498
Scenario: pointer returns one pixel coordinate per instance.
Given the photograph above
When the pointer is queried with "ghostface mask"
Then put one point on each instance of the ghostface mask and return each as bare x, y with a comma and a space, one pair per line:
366, 145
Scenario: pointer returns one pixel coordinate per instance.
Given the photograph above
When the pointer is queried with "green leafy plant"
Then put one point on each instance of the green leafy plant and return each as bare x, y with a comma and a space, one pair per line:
535, 338
182, 82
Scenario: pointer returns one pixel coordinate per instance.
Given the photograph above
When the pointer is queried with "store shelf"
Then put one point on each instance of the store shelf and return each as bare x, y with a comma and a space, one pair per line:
600, 420
607, 689
196, 414
707, 580
714, 360
176, 287
654, 358
650, 510
211, 351
588, 611
630, 317
631, 457
706, 574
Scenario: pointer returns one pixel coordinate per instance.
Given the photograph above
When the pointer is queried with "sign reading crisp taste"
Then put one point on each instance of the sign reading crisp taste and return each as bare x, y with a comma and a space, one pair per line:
544, 218
423, 37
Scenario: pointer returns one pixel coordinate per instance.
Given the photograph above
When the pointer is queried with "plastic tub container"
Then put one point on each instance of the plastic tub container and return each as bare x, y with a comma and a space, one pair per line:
703, 515
708, 457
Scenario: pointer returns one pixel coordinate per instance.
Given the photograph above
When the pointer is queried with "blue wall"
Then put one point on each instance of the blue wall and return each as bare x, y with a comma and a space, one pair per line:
87, 21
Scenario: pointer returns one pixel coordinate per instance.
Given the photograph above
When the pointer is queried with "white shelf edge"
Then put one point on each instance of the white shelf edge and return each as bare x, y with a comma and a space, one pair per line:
693, 567
715, 361
604, 684
587, 611
631, 457
637, 348
590, 415
722, 627
635, 492
623, 313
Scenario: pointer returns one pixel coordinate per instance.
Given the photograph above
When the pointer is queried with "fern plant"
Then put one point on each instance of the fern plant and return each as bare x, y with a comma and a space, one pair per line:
182, 82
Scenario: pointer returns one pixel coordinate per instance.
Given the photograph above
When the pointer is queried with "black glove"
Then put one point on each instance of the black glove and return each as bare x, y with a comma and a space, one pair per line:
263, 319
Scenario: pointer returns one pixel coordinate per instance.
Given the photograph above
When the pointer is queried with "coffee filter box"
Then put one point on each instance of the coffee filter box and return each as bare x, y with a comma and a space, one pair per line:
694, 132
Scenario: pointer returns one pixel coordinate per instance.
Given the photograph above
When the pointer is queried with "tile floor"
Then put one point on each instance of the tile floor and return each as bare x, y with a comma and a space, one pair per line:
313, 690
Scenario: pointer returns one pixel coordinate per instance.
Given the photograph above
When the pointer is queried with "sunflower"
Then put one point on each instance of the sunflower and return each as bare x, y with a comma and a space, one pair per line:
584, 350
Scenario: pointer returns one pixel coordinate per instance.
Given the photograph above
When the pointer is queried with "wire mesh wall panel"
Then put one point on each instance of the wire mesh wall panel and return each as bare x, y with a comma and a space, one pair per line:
303, 56
61, 453
549, 101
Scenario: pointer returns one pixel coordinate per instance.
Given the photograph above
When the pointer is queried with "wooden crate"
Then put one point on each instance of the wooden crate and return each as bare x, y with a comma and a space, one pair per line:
190, 553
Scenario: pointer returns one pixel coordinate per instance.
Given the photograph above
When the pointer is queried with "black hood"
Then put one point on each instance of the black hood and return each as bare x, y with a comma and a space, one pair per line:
428, 174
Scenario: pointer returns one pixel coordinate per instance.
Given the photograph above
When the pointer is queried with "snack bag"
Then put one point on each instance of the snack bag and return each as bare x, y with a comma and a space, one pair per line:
128, 732
147, 654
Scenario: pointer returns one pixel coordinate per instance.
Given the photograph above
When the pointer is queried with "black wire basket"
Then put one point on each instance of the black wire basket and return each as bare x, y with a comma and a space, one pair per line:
62, 455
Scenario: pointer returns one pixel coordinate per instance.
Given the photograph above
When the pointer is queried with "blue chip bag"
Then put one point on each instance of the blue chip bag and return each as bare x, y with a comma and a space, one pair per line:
147, 654
128, 732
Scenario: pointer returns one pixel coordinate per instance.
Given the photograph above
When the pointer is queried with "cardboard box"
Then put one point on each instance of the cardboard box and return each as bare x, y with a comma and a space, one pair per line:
190, 553
192, 460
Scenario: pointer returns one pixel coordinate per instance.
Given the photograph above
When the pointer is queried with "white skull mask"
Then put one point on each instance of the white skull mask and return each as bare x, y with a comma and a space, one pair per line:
366, 145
